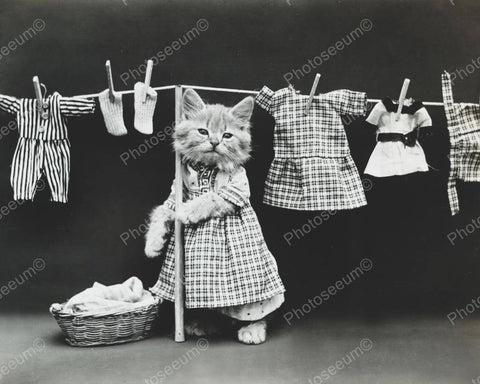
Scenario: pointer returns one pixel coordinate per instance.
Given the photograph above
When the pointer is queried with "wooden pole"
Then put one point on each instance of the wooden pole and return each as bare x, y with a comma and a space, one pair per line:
179, 251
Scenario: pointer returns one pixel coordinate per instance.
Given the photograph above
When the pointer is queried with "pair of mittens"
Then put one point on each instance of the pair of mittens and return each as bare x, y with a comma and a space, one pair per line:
112, 110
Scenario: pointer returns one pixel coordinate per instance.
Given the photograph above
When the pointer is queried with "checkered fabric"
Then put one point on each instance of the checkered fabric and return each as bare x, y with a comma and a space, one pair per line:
312, 169
227, 262
464, 130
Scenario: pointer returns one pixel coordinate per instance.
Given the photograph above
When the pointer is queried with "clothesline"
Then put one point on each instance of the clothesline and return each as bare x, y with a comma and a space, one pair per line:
234, 90
164, 88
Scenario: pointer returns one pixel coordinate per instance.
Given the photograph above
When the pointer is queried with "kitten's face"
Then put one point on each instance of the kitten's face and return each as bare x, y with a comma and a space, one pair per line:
214, 135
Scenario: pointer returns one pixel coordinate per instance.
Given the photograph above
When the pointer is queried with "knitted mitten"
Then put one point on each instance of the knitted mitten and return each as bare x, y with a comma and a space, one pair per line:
144, 110
112, 113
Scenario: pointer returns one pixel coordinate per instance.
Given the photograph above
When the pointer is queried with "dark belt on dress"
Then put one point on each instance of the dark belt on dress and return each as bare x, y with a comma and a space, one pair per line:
409, 139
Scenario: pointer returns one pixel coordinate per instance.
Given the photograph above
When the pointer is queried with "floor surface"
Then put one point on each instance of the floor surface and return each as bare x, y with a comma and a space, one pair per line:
310, 350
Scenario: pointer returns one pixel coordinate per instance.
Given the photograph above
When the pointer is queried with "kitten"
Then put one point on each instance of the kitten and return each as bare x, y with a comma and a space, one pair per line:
214, 139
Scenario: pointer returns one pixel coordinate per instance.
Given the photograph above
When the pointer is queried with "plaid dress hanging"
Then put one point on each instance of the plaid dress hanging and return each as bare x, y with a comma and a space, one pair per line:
312, 168
464, 131
227, 262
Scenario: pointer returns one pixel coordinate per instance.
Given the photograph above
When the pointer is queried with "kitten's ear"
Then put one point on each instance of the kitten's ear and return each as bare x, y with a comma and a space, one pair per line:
243, 110
192, 103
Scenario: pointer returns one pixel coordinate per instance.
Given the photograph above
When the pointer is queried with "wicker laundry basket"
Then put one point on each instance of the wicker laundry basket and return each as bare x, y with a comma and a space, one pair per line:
113, 328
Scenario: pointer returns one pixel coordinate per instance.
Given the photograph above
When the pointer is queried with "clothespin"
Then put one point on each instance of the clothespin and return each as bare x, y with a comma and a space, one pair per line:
312, 93
111, 91
38, 93
148, 77
401, 99
39, 97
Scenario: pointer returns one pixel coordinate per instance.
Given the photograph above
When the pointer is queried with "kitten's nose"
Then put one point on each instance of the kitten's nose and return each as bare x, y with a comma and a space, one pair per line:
214, 143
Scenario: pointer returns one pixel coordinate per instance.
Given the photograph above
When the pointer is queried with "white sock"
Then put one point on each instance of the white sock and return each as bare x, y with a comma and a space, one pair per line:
144, 110
112, 113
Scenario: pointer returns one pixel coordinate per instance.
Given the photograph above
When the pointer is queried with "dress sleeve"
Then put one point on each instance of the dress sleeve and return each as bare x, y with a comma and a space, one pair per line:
265, 99
374, 116
170, 202
348, 102
76, 106
9, 104
447, 93
237, 191
422, 118
452, 187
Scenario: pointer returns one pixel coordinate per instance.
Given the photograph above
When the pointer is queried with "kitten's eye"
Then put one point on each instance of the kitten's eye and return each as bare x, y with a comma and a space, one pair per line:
203, 131
227, 135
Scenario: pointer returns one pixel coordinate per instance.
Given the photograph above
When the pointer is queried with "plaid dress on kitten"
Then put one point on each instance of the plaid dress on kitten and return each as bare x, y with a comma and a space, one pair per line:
312, 168
227, 262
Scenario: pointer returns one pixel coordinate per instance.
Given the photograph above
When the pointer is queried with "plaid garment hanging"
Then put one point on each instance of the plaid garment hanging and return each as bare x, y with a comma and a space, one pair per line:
312, 168
464, 131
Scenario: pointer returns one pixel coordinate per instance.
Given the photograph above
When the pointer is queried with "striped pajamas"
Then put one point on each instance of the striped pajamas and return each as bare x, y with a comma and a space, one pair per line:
43, 146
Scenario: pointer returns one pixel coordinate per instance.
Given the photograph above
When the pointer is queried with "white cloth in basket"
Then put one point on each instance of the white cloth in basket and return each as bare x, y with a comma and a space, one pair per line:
102, 300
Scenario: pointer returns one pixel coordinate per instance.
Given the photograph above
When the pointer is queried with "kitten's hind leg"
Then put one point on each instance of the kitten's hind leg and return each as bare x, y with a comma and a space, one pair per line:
253, 333
200, 323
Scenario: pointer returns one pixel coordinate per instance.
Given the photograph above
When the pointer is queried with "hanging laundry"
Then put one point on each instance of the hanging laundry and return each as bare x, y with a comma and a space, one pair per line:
43, 145
398, 151
144, 109
464, 131
112, 112
312, 168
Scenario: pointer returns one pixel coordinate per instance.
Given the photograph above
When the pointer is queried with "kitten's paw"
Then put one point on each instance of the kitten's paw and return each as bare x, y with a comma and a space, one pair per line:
199, 329
161, 220
189, 214
253, 333
182, 216
151, 251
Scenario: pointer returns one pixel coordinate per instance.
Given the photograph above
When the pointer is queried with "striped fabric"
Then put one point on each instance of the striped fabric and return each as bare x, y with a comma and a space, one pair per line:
312, 169
43, 146
464, 130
